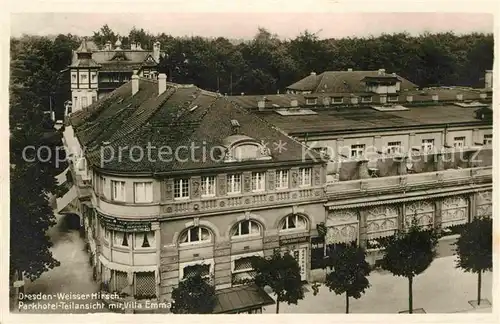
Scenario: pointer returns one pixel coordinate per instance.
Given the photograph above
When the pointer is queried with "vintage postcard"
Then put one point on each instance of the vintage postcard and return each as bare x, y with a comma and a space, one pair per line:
178, 160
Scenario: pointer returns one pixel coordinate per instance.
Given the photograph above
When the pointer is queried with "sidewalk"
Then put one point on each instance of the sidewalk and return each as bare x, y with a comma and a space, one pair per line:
440, 289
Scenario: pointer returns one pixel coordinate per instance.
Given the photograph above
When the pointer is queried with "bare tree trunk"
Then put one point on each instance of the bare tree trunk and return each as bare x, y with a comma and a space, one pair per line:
479, 287
410, 298
346, 303
277, 306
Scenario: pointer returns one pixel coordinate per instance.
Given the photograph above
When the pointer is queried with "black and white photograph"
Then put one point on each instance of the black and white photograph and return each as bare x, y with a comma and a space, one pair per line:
267, 162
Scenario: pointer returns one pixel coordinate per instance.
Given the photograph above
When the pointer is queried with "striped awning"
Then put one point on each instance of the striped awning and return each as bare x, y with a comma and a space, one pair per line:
398, 198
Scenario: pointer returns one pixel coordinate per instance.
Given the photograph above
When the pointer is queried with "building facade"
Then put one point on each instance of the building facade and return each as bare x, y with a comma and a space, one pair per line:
267, 172
96, 72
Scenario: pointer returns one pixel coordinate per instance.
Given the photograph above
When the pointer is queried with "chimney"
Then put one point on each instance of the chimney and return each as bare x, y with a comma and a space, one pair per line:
409, 98
349, 70
488, 79
162, 83
460, 97
313, 73
135, 84
156, 51
294, 103
435, 97
381, 71
261, 104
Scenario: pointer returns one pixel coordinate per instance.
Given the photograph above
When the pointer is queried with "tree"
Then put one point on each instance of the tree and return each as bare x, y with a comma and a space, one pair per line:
474, 249
103, 35
282, 274
32, 176
194, 295
349, 272
409, 253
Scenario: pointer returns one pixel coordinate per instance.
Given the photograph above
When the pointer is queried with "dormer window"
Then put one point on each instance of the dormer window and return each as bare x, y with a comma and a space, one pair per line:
244, 148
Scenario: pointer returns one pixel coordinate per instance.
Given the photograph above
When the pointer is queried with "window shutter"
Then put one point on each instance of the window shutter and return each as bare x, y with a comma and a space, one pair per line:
169, 189
247, 182
270, 179
294, 178
316, 175
221, 181
196, 187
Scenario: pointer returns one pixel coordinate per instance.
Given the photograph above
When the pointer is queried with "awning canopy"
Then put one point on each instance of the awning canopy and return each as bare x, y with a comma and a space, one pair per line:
241, 298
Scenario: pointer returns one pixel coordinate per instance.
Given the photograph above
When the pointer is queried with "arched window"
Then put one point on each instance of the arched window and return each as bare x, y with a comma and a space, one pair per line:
246, 227
195, 234
292, 222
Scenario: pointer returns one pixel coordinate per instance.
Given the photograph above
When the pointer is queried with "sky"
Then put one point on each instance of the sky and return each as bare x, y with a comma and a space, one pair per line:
243, 25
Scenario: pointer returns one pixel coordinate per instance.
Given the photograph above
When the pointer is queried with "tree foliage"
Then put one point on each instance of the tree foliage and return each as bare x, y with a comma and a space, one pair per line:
474, 246
474, 249
281, 272
268, 64
409, 253
32, 175
349, 271
194, 295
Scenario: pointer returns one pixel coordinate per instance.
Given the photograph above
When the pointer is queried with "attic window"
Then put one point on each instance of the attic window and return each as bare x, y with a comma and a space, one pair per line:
311, 101
244, 148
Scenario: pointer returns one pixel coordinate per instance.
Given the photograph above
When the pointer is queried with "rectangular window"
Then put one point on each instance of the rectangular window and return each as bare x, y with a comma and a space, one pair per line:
305, 177
337, 100
393, 147
84, 77
427, 145
144, 240
366, 99
121, 239
258, 181
208, 186
118, 190
357, 151
196, 269
233, 183
181, 188
392, 98
282, 179
488, 139
459, 142
84, 102
143, 192
311, 101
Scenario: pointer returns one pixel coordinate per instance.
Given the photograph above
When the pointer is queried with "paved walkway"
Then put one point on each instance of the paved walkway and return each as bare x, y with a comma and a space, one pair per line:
440, 289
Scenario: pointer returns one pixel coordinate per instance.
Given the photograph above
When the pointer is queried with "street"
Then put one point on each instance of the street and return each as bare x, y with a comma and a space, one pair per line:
74, 275
440, 289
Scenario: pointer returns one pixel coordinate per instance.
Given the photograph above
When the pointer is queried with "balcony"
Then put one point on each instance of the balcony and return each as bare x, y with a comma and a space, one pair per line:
410, 182
243, 201
383, 166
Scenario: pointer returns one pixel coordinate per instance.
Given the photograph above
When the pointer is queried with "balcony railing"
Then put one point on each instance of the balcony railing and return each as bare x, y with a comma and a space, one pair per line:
248, 199
414, 181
